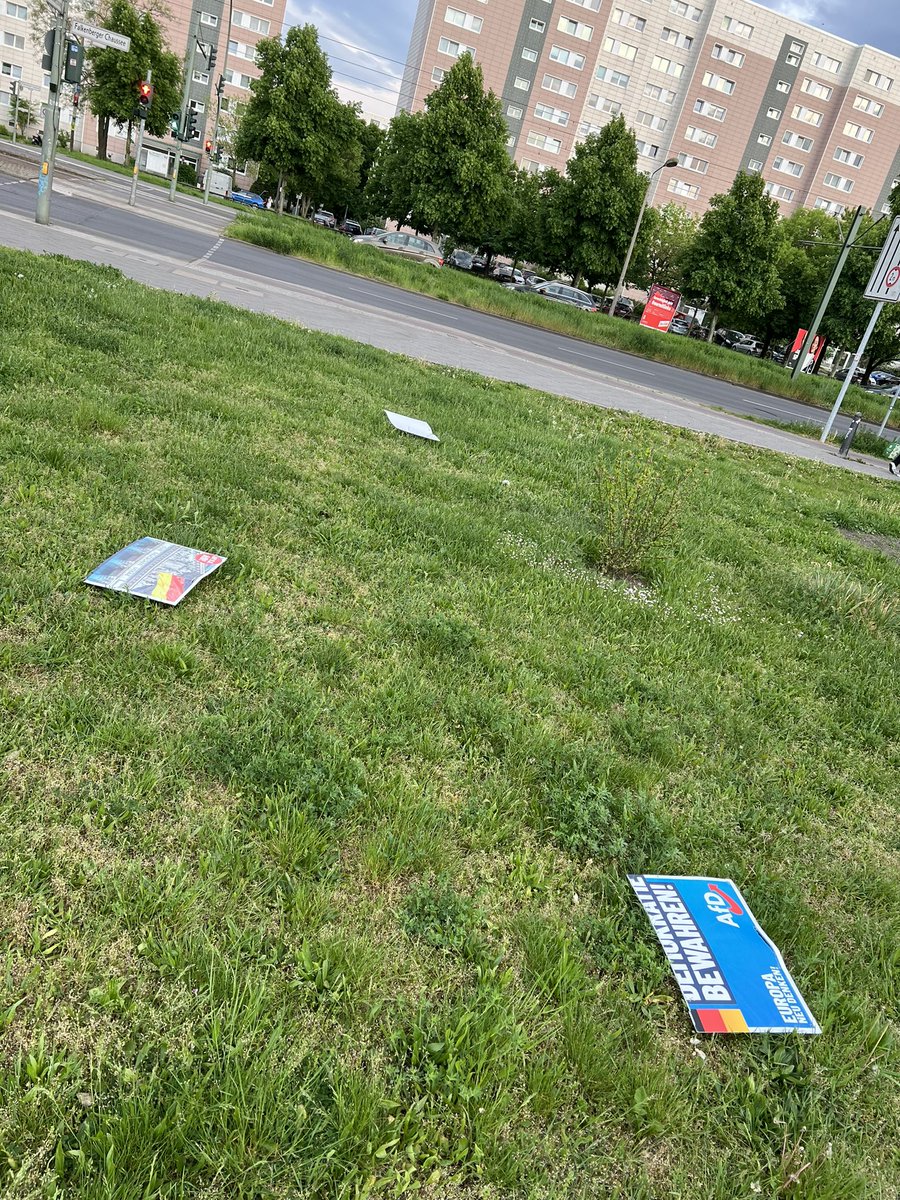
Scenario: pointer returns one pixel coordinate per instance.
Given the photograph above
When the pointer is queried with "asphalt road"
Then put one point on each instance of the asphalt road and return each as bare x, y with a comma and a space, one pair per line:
91, 201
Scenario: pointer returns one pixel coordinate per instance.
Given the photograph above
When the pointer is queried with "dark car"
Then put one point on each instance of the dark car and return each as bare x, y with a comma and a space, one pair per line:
561, 293
324, 218
350, 228
479, 262
461, 260
503, 273
726, 337
251, 198
624, 307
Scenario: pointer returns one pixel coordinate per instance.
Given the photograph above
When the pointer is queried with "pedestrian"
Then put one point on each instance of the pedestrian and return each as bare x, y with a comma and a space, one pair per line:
270, 204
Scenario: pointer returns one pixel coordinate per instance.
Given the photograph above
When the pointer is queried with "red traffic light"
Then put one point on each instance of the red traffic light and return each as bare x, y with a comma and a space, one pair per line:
145, 93
207, 145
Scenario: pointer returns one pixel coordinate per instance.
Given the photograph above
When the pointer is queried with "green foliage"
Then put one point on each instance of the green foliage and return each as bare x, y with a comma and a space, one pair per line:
187, 173
438, 916
732, 260
670, 232
849, 312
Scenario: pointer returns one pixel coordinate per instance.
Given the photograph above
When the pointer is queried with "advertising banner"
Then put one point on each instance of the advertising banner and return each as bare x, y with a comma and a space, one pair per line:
661, 307
732, 977
156, 570
813, 354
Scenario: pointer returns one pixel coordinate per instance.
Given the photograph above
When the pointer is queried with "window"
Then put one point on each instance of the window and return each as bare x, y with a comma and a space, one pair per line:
714, 111
19, 11
647, 149
691, 163
550, 144
455, 16
240, 50
576, 29
779, 191
198, 106
663, 95
797, 47
546, 112
514, 111
567, 58
681, 187
840, 182
11, 70
550, 83
602, 104
667, 66
437, 74
593, 5
738, 28
685, 10
536, 26
872, 107
812, 87
693, 134
203, 77
616, 78
683, 40
621, 49
765, 139
799, 113
882, 82
774, 114
529, 165
585, 129
246, 21
789, 168
824, 63
235, 78
629, 20
16, 40
718, 83
754, 166
454, 49
209, 19
782, 86
651, 122
833, 207
860, 132
510, 141
523, 84
530, 55
798, 141
849, 157
726, 54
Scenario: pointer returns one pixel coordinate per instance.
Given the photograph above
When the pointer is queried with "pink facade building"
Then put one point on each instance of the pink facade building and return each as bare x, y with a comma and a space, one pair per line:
721, 85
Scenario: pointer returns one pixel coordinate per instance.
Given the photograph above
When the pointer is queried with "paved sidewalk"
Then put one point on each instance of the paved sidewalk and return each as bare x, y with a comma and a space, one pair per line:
416, 339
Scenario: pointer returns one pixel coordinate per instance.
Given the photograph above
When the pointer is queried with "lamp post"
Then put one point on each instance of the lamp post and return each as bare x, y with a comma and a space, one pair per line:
670, 162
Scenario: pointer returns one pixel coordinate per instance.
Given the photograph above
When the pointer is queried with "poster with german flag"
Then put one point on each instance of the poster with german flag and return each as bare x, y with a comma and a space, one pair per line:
731, 975
156, 570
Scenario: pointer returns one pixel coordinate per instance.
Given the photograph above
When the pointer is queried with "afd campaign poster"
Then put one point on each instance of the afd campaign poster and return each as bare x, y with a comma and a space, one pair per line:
156, 570
731, 975
661, 307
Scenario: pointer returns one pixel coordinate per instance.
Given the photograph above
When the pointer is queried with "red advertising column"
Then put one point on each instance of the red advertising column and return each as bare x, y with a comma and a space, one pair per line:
661, 307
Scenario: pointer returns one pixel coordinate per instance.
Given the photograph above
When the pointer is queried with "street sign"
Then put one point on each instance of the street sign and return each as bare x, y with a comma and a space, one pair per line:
96, 35
885, 281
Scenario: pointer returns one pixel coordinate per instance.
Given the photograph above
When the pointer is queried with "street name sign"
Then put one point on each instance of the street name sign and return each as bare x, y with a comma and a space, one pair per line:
96, 35
885, 282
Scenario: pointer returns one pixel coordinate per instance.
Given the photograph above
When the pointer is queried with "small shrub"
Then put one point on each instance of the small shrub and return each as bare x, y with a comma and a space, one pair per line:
443, 919
635, 512
187, 173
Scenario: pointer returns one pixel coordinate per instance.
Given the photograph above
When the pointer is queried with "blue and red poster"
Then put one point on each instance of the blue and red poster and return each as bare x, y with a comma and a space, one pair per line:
732, 977
156, 570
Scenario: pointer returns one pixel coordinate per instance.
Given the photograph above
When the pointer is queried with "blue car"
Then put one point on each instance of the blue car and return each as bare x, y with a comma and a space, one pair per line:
250, 198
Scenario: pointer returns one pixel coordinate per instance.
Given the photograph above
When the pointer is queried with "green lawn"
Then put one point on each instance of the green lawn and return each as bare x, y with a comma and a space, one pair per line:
315, 885
286, 235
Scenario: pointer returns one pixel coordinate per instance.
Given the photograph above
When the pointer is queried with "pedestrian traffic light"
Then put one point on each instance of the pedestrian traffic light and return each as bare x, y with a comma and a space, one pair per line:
145, 96
49, 43
175, 125
14, 88
220, 86
74, 61
212, 56
190, 126
207, 145
76, 98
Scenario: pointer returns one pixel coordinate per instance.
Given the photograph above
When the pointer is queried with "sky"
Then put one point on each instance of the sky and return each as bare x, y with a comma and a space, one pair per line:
367, 40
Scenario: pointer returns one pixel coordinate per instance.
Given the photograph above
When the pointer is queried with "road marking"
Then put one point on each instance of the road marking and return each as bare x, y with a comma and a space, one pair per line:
210, 252
610, 362
13, 182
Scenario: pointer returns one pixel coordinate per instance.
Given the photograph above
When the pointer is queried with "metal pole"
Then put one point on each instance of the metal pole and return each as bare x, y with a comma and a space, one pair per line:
851, 371
16, 85
671, 162
185, 104
76, 99
48, 155
132, 195
852, 234
887, 416
214, 147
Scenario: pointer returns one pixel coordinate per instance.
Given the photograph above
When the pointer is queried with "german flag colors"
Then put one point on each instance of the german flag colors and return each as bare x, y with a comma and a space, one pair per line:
721, 1020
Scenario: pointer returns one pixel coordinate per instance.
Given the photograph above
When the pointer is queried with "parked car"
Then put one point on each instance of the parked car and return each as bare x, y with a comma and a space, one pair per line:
746, 344
726, 337
624, 307
533, 280
461, 260
884, 379
503, 273
350, 228
559, 292
844, 371
324, 218
479, 262
683, 325
251, 198
414, 249
374, 231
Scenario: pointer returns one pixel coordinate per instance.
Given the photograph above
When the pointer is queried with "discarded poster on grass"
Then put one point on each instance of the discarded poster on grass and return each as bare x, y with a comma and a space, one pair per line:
411, 425
732, 977
156, 570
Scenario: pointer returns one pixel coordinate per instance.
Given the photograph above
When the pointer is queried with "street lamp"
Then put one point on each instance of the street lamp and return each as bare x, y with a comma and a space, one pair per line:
670, 162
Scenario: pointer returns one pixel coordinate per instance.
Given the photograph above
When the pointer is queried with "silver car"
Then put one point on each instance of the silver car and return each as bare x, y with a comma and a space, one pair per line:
407, 245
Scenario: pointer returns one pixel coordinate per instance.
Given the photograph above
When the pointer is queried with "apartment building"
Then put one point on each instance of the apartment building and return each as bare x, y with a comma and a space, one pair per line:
232, 26
720, 85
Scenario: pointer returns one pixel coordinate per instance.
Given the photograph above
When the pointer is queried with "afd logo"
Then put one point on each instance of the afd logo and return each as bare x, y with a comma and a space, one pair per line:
724, 906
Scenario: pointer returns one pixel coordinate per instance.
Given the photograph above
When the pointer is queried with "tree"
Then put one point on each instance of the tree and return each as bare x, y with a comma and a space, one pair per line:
732, 260
112, 76
23, 111
294, 125
448, 168
597, 207
670, 234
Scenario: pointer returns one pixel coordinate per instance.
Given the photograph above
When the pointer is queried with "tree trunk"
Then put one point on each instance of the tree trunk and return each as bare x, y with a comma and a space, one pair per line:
102, 137
128, 133
576, 282
280, 195
712, 325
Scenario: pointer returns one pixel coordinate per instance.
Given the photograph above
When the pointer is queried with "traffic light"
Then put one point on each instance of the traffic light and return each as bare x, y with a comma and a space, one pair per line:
14, 88
190, 126
212, 56
74, 61
220, 86
49, 43
207, 145
145, 96
175, 125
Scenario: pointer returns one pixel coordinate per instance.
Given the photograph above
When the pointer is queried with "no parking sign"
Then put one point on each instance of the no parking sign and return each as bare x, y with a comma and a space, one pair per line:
885, 281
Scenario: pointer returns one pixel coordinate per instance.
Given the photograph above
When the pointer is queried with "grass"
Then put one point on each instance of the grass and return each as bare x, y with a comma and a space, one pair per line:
127, 170
286, 235
315, 885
